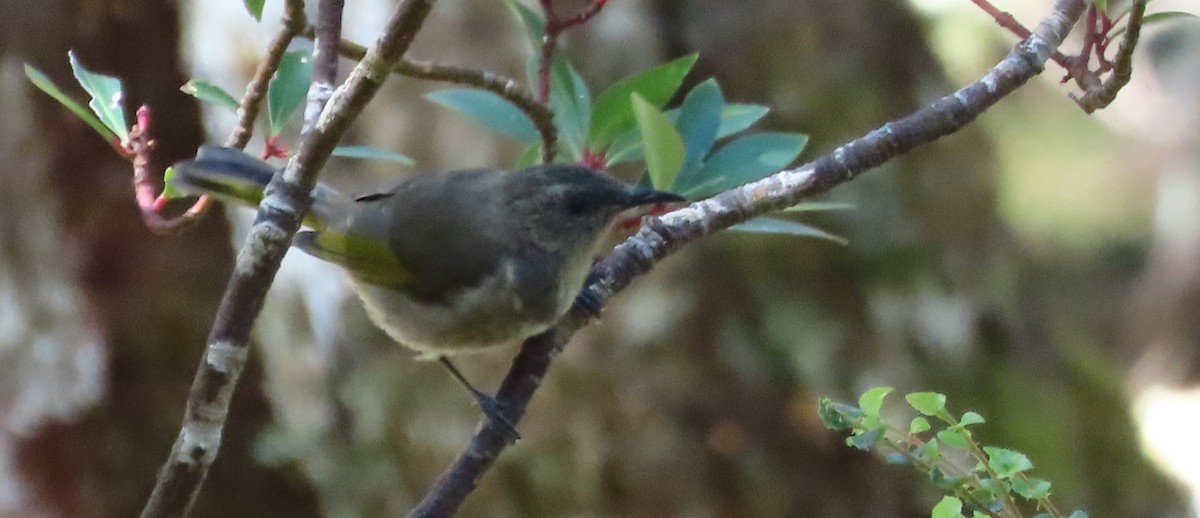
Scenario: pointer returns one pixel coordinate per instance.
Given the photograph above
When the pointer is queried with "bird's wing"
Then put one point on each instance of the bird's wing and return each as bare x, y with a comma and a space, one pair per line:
431, 236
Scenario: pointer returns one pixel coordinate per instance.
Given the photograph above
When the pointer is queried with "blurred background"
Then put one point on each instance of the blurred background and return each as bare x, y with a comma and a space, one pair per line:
1042, 267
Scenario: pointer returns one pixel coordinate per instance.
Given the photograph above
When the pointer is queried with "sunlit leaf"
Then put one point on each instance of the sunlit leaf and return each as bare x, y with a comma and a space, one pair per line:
948, 507
664, 147
918, 425
928, 403
44, 84
613, 113
210, 93
288, 88
734, 118
106, 97
872, 400
489, 110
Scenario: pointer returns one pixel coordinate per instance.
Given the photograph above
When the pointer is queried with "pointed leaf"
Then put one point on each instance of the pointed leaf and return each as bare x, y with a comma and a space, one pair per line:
699, 118
613, 113
970, 418
571, 102
918, 425
44, 84
664, 147
169, 190
744, 160
535, 27
872, 400
819, 206
738, 117
106, 97
287, 89
734, 118
948, 507
255, 8
210, 93
782, 226
372, 153
953, 438
490, 111
1155, 18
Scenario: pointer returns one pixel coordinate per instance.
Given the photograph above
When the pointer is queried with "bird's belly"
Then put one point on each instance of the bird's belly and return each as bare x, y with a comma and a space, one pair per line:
478, 317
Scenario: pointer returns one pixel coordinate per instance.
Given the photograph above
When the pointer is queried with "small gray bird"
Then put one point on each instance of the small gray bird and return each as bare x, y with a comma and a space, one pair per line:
449, 262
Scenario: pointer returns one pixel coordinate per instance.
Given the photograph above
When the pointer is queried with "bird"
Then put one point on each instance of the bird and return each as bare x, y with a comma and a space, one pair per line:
449, 262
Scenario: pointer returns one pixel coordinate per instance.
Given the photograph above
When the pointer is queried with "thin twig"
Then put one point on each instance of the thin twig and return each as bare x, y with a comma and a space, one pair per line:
659, 237
506, 87
294, 21
284, 204
553, 29
1122, 66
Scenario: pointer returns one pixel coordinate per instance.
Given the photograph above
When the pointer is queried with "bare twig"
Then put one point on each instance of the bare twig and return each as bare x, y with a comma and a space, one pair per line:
294, 21
284, 204
555, 26
658, 237
1122, 65
506, 87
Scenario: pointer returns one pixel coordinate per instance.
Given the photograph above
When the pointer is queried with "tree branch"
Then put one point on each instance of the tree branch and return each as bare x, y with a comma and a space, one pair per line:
508, 88
1122, 69
284, 204
658, 237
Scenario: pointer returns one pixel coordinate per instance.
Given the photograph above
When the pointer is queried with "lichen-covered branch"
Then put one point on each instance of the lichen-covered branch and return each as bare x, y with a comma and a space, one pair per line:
284, 204
660, 236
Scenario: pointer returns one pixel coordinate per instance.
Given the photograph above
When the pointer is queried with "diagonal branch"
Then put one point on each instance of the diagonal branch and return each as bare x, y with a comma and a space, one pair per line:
659, 237
284, 204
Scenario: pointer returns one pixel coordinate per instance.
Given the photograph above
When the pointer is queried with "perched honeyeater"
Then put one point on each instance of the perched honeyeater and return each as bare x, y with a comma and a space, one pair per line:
452, 261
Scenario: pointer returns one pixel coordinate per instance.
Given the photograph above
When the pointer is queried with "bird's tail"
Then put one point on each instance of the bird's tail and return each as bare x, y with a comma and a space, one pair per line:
231, 175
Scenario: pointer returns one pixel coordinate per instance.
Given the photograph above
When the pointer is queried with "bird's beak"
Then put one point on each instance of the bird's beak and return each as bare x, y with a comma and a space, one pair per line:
639, 197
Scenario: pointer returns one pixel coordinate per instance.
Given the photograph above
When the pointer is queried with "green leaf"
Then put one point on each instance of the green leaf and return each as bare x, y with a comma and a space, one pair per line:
928, 403
837, 416
699, 118
664, 147
819, 206
738, 117
1102, 5
1155, 18
489, 110
614, 115
744, 160
953, 438
44, 84
535, 27
918, 425
948, 507
210, 93
969, 419
255, 8
1078, 514
531, 155
169, 191
1031, 488
572, 105
764, 225
288, 88
106, 97
372, 153
872, 400
1007, 463
865, 439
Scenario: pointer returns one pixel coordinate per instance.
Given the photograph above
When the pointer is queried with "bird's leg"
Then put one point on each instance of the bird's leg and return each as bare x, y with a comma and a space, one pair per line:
490, 406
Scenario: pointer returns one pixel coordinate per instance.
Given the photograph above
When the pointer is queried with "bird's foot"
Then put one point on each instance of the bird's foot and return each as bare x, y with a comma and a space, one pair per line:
493, 408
